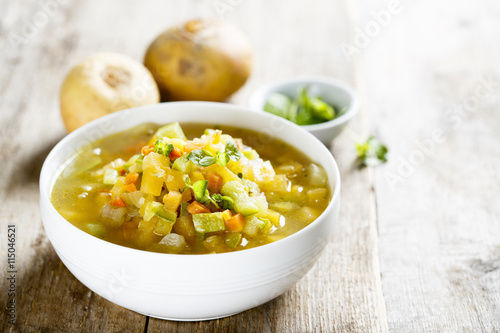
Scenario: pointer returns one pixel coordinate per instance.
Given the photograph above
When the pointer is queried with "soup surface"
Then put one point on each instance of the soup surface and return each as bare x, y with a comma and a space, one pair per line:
190, 189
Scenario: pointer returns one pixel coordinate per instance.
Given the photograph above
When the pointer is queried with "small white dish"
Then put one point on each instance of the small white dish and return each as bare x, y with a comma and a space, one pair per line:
336, 93
188, 287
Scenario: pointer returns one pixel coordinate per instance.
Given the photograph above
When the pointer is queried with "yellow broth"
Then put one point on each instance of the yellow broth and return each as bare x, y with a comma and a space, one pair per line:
296, 195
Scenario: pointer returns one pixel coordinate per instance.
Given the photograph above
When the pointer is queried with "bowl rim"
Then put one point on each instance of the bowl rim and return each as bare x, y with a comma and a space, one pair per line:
47, 181
256, 101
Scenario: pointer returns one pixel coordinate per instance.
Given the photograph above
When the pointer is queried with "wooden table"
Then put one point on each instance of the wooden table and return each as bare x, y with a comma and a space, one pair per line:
417, 245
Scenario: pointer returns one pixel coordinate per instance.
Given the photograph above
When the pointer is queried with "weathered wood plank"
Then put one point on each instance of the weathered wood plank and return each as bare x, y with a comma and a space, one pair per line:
341, 293
438, 197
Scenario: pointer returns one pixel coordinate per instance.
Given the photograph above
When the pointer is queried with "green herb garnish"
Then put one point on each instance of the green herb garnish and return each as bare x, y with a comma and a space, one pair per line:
202, 195
201, 157
204, 158
163, 148
303, 110
371, 152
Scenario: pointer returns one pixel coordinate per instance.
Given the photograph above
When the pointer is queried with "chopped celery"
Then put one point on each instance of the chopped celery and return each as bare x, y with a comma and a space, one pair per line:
245, 207
173, 131
155, 208
208, 222
131, 161
133, 198
182, 164
255, 224
184, 211
110, 176
251, 154
233, 239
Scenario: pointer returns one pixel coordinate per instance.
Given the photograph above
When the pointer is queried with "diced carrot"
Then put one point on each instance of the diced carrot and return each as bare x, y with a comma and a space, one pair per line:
235, 223
226, 215
214, 182
190, 146
131, 178
147, 149
175, 154
118, 202
123, 172
197, 208
129, 187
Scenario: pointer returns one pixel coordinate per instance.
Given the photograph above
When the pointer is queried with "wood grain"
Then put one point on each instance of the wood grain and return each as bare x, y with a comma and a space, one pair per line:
438, 224
421, 255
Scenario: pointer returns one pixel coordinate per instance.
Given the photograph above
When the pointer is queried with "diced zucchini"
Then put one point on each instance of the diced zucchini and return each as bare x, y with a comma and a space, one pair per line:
173, 131
155, 208
110, 176
208, 222
182, 164
242, 202
233, 239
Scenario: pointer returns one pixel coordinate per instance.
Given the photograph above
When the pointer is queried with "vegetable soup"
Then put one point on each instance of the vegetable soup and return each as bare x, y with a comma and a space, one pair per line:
194, 189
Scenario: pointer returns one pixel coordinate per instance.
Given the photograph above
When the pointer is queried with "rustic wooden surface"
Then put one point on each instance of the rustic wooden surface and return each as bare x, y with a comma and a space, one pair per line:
417, 246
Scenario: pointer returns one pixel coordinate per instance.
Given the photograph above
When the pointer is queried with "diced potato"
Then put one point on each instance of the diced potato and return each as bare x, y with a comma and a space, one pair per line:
196, 176
175, 180
316, 175
261, 203
172, 200
290, 168
162, 226
308, 214
227, 175
176, 142
260, 172
173, 242
317, 194
156, 164
214, 243
184, 226
285, 207
274, 217
151, 184
147, 225
280, 184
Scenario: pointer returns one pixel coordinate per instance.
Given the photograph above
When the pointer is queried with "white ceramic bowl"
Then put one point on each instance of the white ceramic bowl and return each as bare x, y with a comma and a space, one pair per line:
188, 287
334, 92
